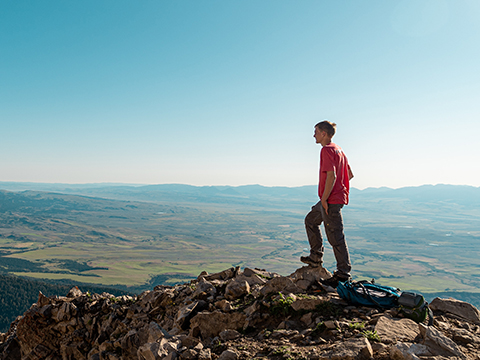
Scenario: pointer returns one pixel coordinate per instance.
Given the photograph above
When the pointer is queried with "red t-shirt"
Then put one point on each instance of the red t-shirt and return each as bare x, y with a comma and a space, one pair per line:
332, 158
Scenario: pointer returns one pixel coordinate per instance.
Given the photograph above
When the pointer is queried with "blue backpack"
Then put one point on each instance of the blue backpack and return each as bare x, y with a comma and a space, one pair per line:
366, 293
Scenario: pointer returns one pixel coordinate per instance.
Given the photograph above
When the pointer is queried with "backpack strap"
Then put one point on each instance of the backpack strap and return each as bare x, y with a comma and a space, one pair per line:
366, 293
430, 316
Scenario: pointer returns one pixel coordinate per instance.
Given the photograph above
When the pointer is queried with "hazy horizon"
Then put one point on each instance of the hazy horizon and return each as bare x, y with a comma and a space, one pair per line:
212, 185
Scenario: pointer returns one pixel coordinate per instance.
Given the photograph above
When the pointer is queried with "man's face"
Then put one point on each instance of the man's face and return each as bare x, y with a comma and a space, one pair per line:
318, 135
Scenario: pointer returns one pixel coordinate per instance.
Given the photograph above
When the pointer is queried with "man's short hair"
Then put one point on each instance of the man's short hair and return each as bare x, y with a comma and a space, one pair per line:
327, 126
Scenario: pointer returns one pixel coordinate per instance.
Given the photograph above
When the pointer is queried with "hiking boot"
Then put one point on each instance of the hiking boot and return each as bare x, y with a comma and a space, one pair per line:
308, 260
335, 279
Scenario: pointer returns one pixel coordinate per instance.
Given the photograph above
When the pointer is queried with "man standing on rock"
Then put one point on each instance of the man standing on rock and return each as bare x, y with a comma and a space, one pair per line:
333, 190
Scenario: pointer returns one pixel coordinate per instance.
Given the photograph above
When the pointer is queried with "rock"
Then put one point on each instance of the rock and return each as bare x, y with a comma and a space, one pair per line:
252, 280
74, 292
460, 308
198, 322
203, 286
302, 304
229, 354
150, 333
228, 334
42, 300
439, 344
189, 354
156, 299
279, 284
330, 324
464, 336
407, 351
223, 305
187, 312
210, 324
205, 354
148, 351
352, 349
307, 276
393, 330
236, 289
223, 275
260, 273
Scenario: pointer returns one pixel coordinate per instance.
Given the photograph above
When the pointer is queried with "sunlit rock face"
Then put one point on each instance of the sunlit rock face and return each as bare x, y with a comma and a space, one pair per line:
236, 314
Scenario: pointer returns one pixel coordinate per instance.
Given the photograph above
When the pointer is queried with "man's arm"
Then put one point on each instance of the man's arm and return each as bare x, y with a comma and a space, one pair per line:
330, 181
350, 173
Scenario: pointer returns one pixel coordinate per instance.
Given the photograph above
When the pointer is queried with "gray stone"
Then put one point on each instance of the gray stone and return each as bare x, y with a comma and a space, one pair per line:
408, 351
223, 275
279, 284
331, 324
223, 305
229, 334
204, 286
210, 324
308, 275
393, 330
150, 333
42, 300
306, 304
189, 354
185, 313
439, 344
228, 354
351, 349
460, 308
65, 312
149, 351
465, 337
236, 289
74, 292
251, 280
205, 354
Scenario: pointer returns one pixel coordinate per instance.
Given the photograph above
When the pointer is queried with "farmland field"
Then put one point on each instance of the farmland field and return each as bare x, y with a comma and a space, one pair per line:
139, 237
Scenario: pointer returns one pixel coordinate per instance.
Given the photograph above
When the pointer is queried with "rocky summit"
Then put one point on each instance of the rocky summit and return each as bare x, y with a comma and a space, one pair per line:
235, 314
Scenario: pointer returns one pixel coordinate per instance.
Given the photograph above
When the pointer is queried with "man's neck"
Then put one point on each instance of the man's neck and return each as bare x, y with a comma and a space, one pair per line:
326, 142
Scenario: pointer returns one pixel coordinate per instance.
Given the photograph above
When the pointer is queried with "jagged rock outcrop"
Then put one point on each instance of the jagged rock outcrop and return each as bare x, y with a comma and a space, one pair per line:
235, 315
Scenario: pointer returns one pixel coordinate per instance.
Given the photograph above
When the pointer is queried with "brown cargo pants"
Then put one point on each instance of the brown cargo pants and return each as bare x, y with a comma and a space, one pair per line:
333, 223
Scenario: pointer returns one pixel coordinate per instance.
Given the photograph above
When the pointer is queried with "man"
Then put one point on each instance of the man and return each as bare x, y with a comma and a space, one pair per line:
333, 190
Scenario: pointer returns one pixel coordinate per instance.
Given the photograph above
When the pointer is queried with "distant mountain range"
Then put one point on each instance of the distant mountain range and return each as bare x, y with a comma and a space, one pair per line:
253, 194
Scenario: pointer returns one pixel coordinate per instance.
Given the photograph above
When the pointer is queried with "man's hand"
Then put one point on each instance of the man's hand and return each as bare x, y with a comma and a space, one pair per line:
325, 205
329, 182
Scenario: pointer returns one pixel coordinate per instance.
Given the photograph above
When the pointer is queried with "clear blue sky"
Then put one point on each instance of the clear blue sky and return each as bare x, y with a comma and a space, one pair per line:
209, 92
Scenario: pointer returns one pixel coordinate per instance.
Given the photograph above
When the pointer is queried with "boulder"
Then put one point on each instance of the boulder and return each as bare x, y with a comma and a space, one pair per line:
223, 275
204, 287
352, 349
307, 276
74, 292
228, 334
456, 307
260, 273
229, 354
149, 351
463, 336
185, 313
279, 284
210, 324
306, 304
393, 330
408, 351
236, 289
439, 344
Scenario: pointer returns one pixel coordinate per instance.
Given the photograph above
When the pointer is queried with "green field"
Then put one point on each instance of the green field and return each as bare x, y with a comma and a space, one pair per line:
399, 242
